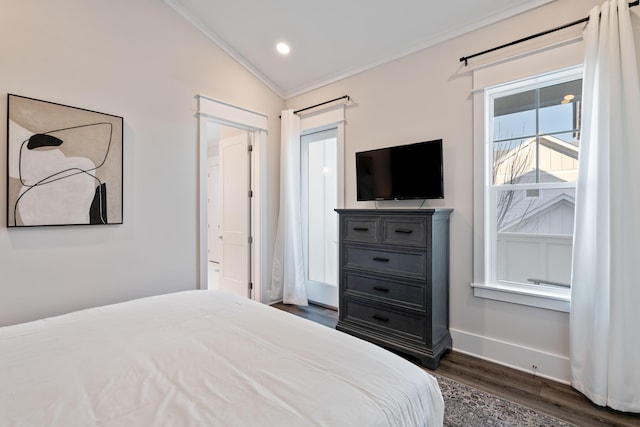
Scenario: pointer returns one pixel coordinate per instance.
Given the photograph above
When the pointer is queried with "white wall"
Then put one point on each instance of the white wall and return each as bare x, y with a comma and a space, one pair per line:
426, 96
141, 60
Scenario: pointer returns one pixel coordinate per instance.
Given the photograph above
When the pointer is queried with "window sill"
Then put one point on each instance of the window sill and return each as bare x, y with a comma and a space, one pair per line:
534, 296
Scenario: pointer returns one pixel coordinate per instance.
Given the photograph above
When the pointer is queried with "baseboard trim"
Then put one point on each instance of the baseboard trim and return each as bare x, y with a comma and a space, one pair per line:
321, 305
546, 365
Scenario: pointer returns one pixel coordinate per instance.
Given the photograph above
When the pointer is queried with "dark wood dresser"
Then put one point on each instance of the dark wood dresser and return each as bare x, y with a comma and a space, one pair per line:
394, 280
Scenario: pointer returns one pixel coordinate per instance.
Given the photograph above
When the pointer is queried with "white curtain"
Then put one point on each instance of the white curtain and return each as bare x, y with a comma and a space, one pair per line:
605, 300
288, 273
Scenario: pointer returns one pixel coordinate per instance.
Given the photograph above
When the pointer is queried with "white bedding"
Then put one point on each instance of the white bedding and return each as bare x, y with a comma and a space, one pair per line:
204, 358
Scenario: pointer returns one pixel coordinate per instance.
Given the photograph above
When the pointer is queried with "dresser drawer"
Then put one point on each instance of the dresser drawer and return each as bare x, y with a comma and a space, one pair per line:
363, 229
407, 264
382, 319
406, 231
386, 290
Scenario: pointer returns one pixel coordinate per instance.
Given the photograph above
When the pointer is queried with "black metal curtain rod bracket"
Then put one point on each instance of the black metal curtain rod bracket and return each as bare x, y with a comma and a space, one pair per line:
466, 59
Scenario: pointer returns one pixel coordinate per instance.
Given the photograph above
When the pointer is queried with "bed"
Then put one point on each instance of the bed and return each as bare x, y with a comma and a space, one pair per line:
204, 358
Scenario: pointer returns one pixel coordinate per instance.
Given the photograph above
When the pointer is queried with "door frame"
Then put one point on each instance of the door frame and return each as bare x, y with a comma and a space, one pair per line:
222, 113
324, 119
320, 293
213, 162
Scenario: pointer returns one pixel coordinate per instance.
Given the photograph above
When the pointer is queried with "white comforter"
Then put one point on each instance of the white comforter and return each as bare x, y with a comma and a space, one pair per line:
204, 358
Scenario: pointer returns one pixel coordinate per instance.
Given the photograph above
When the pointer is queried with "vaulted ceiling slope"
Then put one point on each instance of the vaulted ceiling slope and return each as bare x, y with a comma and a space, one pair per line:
333, 39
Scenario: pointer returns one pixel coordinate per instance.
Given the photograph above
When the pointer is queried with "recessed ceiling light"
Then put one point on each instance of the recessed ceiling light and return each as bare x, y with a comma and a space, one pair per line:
283, 48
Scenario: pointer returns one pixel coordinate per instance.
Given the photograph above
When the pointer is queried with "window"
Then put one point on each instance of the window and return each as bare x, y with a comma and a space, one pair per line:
532, 142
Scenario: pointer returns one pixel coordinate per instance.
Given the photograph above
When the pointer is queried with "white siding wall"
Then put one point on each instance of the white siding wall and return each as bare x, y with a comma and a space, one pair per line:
522, 257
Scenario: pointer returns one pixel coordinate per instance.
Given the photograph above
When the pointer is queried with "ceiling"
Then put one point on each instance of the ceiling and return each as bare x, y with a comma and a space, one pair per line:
333, 39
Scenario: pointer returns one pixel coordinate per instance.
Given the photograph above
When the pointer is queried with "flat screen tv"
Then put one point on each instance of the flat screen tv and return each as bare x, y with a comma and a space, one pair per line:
402, 172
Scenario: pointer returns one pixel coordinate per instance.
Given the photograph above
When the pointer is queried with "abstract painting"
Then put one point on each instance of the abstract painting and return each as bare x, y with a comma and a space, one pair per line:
64, 165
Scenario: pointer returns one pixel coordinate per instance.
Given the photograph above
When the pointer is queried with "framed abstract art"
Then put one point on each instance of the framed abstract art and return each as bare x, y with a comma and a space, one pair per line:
64, 164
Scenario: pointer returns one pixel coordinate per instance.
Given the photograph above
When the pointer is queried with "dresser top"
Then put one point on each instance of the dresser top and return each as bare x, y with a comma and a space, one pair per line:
429, 211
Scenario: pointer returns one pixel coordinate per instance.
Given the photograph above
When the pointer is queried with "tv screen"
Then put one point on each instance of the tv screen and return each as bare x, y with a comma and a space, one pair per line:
411, 171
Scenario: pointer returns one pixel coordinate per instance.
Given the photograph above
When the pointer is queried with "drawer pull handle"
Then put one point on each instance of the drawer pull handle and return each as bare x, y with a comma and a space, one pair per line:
360, 229
404, 230
378, 288
381, 318
380, 259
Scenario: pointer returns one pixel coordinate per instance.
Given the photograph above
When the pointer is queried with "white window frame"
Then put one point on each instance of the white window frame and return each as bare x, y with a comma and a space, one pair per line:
484, 286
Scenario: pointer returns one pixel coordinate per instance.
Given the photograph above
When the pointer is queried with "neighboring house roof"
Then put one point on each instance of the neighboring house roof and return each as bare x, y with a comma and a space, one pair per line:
554, 156
537, 211
556, 144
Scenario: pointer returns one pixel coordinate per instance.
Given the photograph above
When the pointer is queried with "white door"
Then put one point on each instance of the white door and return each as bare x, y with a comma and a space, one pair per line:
319, 177
235, 221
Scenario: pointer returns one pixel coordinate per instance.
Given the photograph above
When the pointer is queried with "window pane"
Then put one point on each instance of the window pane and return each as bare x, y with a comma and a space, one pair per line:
323, 220
514, 116
543, 211
545, 149
560, 107
534, 235
560, 115
514, 161
559, 118
557, 160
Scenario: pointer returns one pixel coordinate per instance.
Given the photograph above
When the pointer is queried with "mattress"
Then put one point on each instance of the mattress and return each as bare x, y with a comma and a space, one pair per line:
204, 358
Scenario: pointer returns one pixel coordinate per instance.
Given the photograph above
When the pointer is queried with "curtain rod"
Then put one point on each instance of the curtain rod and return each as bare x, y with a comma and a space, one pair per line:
466, 59
347, 97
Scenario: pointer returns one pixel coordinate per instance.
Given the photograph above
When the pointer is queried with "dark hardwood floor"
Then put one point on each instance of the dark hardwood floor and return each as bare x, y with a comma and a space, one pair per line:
543, 395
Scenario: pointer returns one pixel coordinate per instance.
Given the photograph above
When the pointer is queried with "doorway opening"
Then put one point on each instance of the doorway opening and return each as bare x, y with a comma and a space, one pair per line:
322, 136
228, 208
319, 184
231, 185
